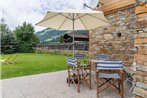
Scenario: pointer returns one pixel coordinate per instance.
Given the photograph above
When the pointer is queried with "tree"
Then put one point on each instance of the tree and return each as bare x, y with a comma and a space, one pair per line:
26, 37
8, 42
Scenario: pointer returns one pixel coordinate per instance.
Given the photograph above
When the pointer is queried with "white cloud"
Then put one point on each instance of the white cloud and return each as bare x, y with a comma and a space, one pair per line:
15, 12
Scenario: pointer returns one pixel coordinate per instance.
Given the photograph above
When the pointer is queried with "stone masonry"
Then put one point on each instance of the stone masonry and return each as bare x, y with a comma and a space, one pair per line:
117, 39
140, 71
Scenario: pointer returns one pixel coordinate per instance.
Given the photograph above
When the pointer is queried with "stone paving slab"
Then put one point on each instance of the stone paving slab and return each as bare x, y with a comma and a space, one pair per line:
51, 85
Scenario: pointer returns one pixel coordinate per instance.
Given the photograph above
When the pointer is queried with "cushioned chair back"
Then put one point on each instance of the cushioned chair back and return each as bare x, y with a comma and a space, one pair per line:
110, 65
79, 56
103, 57
71, 61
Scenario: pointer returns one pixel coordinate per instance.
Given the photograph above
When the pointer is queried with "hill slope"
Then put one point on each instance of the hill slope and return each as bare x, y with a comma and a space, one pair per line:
51, 35
48, 35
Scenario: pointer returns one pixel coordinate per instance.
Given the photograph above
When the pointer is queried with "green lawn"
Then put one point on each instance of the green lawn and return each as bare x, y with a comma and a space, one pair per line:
31, 63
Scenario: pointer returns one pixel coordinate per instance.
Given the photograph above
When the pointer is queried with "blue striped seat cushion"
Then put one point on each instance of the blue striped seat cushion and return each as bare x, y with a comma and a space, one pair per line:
109, 64
71, 61
108, 75
80, 71
79, 56
109, 68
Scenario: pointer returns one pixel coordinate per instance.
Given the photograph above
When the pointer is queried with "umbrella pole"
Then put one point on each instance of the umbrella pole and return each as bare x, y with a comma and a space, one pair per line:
73, 20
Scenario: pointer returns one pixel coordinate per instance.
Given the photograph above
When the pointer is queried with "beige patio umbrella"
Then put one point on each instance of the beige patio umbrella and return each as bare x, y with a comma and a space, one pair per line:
73, 20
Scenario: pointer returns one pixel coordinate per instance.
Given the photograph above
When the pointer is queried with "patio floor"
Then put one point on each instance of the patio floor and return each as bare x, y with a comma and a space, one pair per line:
51, 85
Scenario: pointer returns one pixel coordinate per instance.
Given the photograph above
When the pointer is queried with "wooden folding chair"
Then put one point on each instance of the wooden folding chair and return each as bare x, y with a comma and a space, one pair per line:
111, 72
79, 56
9, 60
12, 60
78, 73
103, 57
5, 61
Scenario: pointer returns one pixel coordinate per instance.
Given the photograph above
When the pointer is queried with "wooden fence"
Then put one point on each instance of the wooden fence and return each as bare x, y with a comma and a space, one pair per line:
65, 46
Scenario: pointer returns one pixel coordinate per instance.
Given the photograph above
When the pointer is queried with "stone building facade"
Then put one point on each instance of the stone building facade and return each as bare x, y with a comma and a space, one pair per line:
117, 39
125, 39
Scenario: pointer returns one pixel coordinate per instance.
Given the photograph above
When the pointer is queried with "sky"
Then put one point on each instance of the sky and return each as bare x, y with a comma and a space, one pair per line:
15, 12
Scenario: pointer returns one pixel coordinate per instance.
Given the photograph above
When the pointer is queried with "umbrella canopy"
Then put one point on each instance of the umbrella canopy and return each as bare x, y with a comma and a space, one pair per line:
83, 20
73, 20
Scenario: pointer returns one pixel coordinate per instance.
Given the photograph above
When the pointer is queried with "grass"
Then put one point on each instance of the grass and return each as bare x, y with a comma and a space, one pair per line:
31, 63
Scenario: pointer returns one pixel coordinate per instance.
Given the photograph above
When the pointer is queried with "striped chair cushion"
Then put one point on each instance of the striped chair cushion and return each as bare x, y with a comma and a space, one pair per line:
102, 68
109, 64
71, 61
79, 56
103, 57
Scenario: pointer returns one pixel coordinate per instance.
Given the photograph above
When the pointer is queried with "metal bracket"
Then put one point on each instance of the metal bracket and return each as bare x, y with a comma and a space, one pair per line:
85, 5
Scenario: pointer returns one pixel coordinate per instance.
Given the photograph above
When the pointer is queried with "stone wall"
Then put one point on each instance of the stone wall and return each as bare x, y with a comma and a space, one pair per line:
140, 71
140, 57
117, 39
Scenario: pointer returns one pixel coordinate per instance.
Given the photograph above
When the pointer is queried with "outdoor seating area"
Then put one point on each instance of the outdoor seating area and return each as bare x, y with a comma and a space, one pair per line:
83, 78
53, 85
74, 49
106, 69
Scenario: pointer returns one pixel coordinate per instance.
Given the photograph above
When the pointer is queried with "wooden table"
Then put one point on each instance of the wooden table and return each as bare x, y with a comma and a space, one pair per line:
93, 61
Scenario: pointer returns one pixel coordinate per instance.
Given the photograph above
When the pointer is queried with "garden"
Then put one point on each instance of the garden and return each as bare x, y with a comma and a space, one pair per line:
18, 57
32, 63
